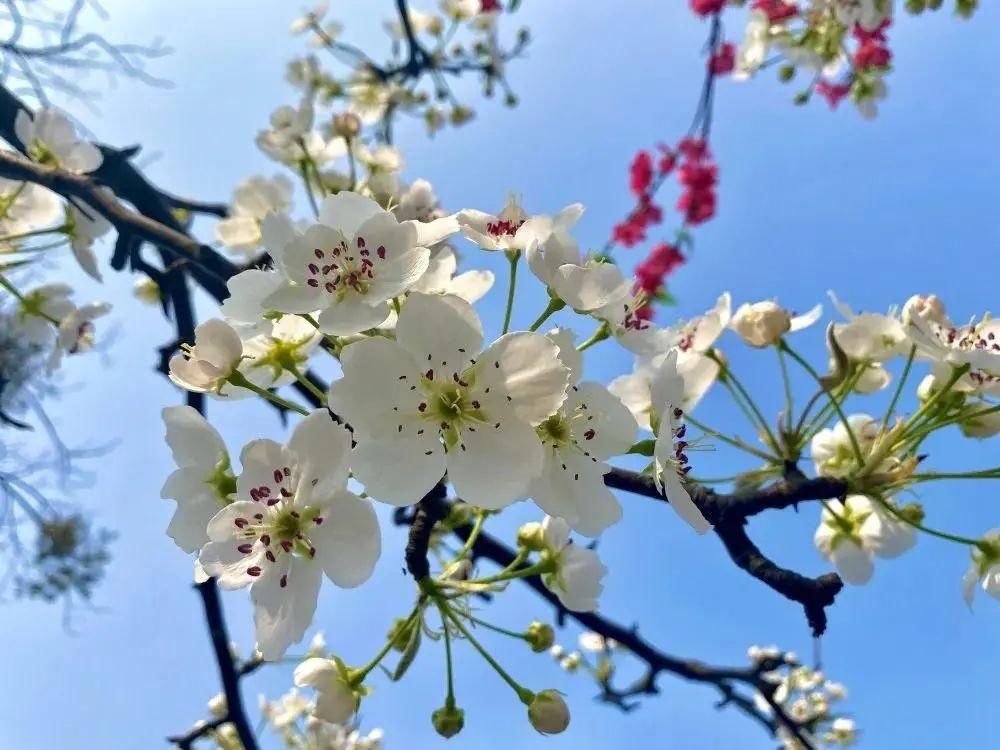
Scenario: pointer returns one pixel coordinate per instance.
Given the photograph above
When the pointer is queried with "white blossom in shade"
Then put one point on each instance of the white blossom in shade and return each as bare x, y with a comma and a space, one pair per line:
460, 10
833, 451
852, 533
383, 164
26, 207
268, 357
513, 229
577, 572
418, 201
253, 200
291, 140
870, 340
753, 52
286, 710
975, 345
50, 138
203, 481
591, 426
670, 462
429, 401
76, 330
292, 521
307, 20
420, 22
244, 308
596, 643
40, 309
842, 732
351, 263
984, 570
926, 307
440, 277
763, 324
336, 699
980, 419
84, 224
208, 364
582, 283
368, 97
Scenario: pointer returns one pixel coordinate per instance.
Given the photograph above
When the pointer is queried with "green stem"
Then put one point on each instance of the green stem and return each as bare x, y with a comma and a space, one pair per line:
5, 283
727, 376
240, 380
933, 532
358, 675
733, 441
35, 233
599, 335
495, 628
513, 256
306, 383
477, 527
936, 397
899, 387
855, 445
525, 695
789, 402
554, 306
935, 475
449, 700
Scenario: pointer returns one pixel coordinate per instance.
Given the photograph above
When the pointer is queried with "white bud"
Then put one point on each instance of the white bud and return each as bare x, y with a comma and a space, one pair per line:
548, 712
761, 324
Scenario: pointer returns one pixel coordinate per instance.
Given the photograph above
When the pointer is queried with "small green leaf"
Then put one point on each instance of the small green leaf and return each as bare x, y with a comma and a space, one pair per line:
409, 654
643, 447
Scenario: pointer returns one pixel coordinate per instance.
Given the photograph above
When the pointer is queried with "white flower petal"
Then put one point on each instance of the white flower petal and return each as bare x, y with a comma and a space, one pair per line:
496, 464
348, 542
417, 463
284, 604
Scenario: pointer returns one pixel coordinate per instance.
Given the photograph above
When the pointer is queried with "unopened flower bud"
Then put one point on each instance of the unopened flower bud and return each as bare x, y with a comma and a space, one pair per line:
448, 721
786, 73
557, 651
461, 114
912, 512
916, 6
148, 291
217, 706
531, 537
347, 125
548, 712
540, 636
761, 324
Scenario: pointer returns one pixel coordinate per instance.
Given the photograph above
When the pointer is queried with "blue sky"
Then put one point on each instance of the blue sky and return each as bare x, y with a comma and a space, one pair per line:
809, 201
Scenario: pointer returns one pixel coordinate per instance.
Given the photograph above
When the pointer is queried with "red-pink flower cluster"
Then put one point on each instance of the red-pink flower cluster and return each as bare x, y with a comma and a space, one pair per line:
489, 6
707, 7
662, 261
723, 60
776, 10
873, 48
833, 92
699, 175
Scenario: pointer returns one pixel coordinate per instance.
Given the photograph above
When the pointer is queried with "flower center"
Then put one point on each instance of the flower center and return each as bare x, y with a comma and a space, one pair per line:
341, 269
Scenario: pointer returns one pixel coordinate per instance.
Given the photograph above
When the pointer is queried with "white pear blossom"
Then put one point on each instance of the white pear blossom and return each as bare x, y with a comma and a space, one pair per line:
336, 699
291, 140
292, 521
670, 460
591, 426
286, 710
383, 164
253, 200
203, 481
368, 97
40, 310
75, 333
440, 277
420, 22
84, 224
582, 283
244, 308
832, 450
270, 356
596, 643
981, 419
870, 339
975, 346
429, 401
210, 362
25, 206
852, 533
763, 324
418, 201
460, 10
753, 52
624, 321
351, 263
984, 570
578, 572
50, 138
513, 229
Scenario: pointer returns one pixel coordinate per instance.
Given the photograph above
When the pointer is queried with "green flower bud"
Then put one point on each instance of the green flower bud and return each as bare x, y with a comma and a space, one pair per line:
448, 721
531, 537
786, 73
400, 633
548, 712
912, 512
540, 636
